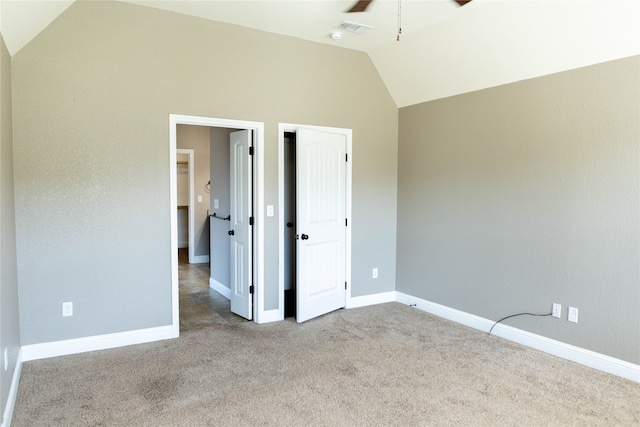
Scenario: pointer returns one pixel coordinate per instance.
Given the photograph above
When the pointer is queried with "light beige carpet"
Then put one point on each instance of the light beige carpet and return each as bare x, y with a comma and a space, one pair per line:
381, 365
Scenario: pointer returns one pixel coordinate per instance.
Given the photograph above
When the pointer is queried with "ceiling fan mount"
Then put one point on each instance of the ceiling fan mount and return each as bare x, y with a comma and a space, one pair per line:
362, 5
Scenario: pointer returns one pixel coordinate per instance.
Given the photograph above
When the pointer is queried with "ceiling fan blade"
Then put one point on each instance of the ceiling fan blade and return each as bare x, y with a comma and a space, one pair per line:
360, 6
462, 2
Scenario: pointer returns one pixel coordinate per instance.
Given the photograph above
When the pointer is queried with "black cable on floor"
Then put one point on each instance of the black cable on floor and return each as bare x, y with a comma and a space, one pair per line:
514, 315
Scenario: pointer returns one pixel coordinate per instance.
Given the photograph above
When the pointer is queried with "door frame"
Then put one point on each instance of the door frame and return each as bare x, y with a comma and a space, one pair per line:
190, 213
258, 202
348, 133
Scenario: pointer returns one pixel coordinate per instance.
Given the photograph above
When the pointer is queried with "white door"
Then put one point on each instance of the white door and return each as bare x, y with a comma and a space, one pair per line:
240, 229
321, 222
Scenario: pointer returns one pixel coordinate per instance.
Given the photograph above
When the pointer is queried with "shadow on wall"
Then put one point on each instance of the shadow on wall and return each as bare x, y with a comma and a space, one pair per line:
220, 204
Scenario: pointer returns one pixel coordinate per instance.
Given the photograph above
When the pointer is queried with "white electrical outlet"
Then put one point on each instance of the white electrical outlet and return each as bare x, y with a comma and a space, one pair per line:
67, 309
199, 198
557, 310
269, 210
374, 273
573, 315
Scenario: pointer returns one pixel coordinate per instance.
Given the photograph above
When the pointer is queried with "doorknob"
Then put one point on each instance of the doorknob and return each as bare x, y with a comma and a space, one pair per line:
289, 224
231, 233
304, 237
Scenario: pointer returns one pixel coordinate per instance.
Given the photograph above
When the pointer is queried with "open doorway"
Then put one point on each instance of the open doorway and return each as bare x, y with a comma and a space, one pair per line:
204, 163
289, 219
184, 183
315, 219
253, 267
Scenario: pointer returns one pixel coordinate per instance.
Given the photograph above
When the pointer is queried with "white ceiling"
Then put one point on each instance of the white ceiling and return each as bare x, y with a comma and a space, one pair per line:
314, 20
502, 41
307, 19
444, 49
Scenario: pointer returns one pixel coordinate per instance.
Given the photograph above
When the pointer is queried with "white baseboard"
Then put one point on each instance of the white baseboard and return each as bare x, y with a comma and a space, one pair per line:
98, 342
200, 259
219, 288
439, 310
580, 355
7, 416
373, 299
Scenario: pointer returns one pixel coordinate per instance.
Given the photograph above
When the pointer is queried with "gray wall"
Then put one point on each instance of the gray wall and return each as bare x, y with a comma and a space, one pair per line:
220, 182
197, 139
515, 197
9, 325
92, 98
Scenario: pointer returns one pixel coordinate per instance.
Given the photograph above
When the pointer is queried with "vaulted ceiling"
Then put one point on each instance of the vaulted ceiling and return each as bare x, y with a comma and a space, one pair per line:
444, 49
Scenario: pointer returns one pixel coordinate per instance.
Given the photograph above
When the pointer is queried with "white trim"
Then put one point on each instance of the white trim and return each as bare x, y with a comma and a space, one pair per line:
190, 210
443, 311
97, 342
372, 299
348, 133
7, 416
258, 199
281, 130
200, 259
193, 258
579, 355
173, 202
259, 313
219, 288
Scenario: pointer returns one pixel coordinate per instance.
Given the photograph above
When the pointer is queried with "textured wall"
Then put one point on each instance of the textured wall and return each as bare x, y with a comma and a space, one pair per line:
9, 325
515, 197
92, 98
197, 139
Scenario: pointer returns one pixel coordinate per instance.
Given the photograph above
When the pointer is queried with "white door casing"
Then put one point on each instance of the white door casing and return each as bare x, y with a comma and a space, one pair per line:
260, 315
189, 154
321, 222
240, 228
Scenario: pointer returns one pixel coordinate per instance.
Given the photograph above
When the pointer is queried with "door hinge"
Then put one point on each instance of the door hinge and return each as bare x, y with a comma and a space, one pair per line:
251, 289
345, 285
346, 157
250, 220
345, 222
251, 151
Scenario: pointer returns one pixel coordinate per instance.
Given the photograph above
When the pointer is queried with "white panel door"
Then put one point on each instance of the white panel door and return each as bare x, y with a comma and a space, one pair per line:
240, 229
320, 227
